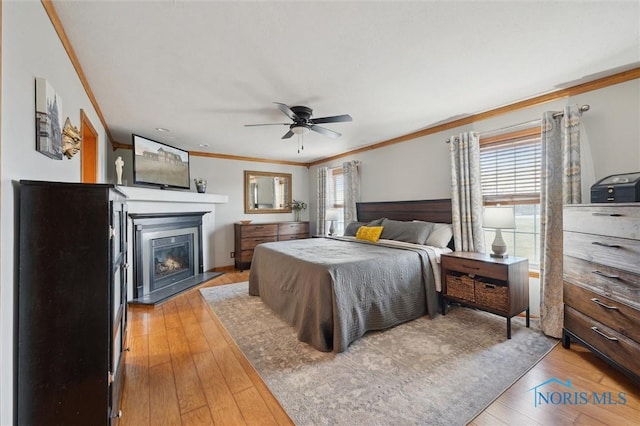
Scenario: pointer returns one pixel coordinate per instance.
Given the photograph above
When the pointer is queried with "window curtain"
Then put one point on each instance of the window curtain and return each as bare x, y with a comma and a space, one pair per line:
322, 200
351, 190
466, 192
560, 184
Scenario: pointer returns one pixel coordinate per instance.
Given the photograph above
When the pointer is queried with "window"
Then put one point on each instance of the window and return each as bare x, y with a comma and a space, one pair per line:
510, 175
336, 197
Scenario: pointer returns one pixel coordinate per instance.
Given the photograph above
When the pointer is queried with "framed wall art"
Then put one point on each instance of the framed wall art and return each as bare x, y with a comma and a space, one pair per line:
48, 120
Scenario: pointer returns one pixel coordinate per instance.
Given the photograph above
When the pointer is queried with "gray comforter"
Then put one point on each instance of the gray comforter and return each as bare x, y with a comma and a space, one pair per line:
334, 290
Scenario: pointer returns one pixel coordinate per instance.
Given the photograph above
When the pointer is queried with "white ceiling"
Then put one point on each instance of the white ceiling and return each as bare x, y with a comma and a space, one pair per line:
205, 69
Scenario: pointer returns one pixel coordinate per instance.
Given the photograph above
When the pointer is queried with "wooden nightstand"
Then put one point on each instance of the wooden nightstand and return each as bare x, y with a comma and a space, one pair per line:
499, 286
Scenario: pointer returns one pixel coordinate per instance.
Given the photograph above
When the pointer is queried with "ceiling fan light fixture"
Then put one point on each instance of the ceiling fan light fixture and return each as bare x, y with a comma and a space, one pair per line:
300, 129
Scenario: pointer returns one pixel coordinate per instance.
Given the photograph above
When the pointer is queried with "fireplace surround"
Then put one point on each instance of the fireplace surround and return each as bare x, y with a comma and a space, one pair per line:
167, 255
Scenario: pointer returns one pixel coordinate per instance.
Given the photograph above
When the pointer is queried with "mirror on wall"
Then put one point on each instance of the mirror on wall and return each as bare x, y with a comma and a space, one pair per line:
266, 192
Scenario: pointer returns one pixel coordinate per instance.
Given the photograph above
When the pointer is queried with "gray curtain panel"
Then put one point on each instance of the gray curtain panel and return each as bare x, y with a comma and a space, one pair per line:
466, 192
351, 190
321, 198
560, 184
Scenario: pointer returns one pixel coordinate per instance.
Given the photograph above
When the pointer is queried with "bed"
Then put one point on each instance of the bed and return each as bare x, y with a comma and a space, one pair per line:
333, 290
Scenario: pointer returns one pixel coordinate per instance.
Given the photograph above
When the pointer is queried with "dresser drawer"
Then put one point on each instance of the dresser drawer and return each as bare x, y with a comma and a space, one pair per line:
614, 221
289, 228
251, 243
258, 230
245, 256
619, 317
614, 283
621, 253
473, 267
610, 343
292, 237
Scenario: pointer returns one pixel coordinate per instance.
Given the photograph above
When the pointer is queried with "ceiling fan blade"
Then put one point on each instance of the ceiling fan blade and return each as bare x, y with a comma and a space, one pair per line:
287, 111
268, 124
287, 135
325, 132
332, 119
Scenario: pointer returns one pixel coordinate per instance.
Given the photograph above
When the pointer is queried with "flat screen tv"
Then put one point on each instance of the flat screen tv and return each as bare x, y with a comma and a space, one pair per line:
159, 164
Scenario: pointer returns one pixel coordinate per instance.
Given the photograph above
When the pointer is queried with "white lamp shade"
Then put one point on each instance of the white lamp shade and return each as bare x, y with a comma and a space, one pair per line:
333, 214
499, 218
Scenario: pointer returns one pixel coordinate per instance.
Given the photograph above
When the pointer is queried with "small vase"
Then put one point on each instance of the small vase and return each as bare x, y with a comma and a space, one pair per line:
296, 215
201, 186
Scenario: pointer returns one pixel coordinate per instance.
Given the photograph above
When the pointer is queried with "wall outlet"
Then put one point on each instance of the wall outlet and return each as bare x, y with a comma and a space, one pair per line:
233, 254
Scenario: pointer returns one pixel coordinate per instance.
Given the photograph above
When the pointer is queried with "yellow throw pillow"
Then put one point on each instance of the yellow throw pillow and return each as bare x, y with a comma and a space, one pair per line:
369, 233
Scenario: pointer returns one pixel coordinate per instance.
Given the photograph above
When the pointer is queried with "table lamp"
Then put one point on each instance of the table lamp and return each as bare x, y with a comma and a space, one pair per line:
332, 216
499, 218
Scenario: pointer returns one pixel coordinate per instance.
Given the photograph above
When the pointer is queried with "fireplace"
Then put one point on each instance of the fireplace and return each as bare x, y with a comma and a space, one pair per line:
172, 259
167, 255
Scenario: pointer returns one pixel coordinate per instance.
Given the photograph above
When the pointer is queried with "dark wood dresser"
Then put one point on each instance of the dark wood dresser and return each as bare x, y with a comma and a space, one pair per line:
71, 304
602, 281
248, 236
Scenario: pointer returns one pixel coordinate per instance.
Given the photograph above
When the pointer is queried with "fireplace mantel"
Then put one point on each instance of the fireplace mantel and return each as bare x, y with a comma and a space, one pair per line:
170, 196
149, 200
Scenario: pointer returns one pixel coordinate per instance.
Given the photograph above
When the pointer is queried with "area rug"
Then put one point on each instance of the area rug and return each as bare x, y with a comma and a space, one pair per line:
440, 371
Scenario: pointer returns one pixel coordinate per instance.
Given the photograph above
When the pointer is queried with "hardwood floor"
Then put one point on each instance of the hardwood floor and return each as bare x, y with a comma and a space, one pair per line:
184, 369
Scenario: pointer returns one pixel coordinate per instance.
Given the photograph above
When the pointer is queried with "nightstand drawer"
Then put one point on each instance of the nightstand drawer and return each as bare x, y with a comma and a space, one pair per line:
474, 267
610, 343
622, 318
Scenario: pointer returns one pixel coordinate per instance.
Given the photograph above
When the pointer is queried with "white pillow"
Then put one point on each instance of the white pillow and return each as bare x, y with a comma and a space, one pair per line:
440, 236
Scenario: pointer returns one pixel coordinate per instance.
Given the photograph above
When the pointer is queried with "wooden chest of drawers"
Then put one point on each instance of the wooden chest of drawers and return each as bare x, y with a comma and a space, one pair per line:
247, 237
601, 275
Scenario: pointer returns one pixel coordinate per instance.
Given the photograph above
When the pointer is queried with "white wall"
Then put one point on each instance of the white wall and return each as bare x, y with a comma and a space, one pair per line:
30, 48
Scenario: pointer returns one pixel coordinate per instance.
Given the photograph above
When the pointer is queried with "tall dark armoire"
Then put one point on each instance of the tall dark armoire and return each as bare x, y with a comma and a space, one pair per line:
71, 303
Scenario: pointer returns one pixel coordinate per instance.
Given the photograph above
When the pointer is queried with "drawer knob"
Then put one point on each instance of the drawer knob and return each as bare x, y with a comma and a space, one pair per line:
607, 214
598, 243
602, 274
604, 305
613, 339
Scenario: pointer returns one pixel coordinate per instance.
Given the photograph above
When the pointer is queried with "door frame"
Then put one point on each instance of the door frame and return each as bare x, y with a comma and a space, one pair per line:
89, 151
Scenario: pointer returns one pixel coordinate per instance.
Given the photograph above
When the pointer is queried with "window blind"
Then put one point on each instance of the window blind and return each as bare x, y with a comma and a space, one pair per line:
510, 171
337, 178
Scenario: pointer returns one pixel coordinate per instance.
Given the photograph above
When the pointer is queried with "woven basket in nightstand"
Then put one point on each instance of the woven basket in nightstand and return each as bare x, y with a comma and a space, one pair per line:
492, 295
461, 287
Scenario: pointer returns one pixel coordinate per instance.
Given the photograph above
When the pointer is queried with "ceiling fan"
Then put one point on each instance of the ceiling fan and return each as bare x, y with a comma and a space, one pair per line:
303, 122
